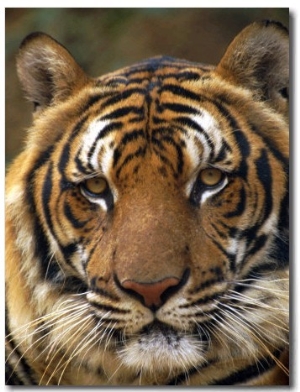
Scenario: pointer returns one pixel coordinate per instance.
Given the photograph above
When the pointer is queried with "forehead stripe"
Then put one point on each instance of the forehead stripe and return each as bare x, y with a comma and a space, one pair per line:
122, 112
86, 157
121, 97
127, 138
65, 155
102, 133
181, 91
181, 108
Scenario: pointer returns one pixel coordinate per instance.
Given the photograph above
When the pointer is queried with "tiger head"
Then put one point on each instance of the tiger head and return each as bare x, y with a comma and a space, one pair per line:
147, 217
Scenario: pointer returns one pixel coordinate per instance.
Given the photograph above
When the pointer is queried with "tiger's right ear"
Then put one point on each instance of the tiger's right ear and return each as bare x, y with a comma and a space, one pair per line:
258, 59
47, 71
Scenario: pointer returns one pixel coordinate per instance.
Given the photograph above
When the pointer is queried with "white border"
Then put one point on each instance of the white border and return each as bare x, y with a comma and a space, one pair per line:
294, 7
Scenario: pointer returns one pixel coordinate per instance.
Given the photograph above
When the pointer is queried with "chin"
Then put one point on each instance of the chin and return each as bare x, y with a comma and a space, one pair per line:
162, 351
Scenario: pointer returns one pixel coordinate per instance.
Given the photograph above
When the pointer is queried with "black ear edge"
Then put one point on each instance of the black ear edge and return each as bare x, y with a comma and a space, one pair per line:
31, 36
40, 35
274, 23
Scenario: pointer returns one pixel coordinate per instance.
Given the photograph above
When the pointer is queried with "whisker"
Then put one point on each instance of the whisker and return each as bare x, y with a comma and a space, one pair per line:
82, 323
253, 331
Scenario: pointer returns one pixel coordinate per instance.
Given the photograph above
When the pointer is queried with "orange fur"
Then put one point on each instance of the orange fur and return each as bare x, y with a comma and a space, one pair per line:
160, 277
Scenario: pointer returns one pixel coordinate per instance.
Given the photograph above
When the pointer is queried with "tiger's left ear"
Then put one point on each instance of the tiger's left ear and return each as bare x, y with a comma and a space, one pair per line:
47, 71
258, 59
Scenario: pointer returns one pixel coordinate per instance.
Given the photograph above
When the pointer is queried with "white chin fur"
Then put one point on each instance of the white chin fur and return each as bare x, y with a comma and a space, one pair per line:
157, 352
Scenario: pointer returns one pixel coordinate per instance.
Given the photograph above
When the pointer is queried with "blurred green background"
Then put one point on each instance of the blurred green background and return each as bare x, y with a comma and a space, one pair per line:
105, 39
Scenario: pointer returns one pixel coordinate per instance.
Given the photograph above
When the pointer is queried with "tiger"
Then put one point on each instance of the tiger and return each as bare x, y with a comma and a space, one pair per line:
147, 234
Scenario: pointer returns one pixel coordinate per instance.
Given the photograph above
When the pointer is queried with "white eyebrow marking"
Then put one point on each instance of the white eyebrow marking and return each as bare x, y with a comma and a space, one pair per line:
211, 131
91, 145
88, 142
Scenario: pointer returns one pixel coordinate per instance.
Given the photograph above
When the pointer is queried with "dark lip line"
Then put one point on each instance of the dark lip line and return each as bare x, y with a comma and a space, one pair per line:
118, 340
159, 326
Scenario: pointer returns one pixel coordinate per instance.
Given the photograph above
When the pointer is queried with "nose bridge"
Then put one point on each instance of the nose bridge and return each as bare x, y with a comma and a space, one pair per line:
150, 239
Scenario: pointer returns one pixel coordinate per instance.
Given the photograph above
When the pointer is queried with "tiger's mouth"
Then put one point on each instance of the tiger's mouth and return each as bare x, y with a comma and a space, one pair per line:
158, 332
159, 348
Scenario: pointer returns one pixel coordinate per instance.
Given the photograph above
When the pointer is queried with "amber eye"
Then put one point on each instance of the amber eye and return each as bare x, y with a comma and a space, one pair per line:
95, 186
211, 176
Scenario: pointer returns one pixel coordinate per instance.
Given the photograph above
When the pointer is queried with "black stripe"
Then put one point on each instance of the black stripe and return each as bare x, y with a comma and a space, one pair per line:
68, 251
255, 273
127, 138
71, 217
95, 98
65, 155
244, 148
20, 373
170, 141
258, 244
154, 64
52, 267
186, 75
220, 233
160, 130
264, 174
158, 149
181, 92
181, 108
224, 150
11, 377
79, 166
119, 97
140, 152
188, 122
231, 257
108, 308
111, 127
123, 111
104, 293
49, 268
30, 180
41, 245
240, 137
249, 234
269, 142
257, 369
46, 197
72, 284
280, 250
207, 299
241, 206
184, 377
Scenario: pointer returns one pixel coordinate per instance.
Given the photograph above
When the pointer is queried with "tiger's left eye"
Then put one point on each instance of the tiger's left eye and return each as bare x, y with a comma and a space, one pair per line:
211, 176
95, 186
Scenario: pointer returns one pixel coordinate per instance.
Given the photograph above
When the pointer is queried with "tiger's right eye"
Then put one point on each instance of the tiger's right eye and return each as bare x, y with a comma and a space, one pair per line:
95, 186
211, 176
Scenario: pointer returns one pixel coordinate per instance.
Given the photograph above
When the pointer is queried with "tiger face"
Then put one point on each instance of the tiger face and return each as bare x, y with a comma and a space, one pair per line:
147, 219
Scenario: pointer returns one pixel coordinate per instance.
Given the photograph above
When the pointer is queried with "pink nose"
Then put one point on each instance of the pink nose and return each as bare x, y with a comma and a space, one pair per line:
151, 292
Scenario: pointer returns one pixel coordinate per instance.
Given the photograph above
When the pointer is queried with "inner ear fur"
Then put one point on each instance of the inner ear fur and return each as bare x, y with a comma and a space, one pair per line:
47, 71
258, 59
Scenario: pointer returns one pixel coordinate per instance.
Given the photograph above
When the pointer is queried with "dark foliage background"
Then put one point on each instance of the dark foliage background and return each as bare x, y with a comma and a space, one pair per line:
105, 39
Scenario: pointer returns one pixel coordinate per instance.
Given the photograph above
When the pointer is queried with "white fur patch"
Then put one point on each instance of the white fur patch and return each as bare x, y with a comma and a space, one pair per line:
210, 126
101, 162
14, 194
159, 353
91, 135
200, 158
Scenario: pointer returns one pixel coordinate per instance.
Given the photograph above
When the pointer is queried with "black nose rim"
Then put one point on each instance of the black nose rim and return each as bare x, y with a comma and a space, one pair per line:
169, 292
164, 296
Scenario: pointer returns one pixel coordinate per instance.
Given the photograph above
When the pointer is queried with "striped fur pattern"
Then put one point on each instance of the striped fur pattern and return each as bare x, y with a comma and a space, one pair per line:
147, 220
